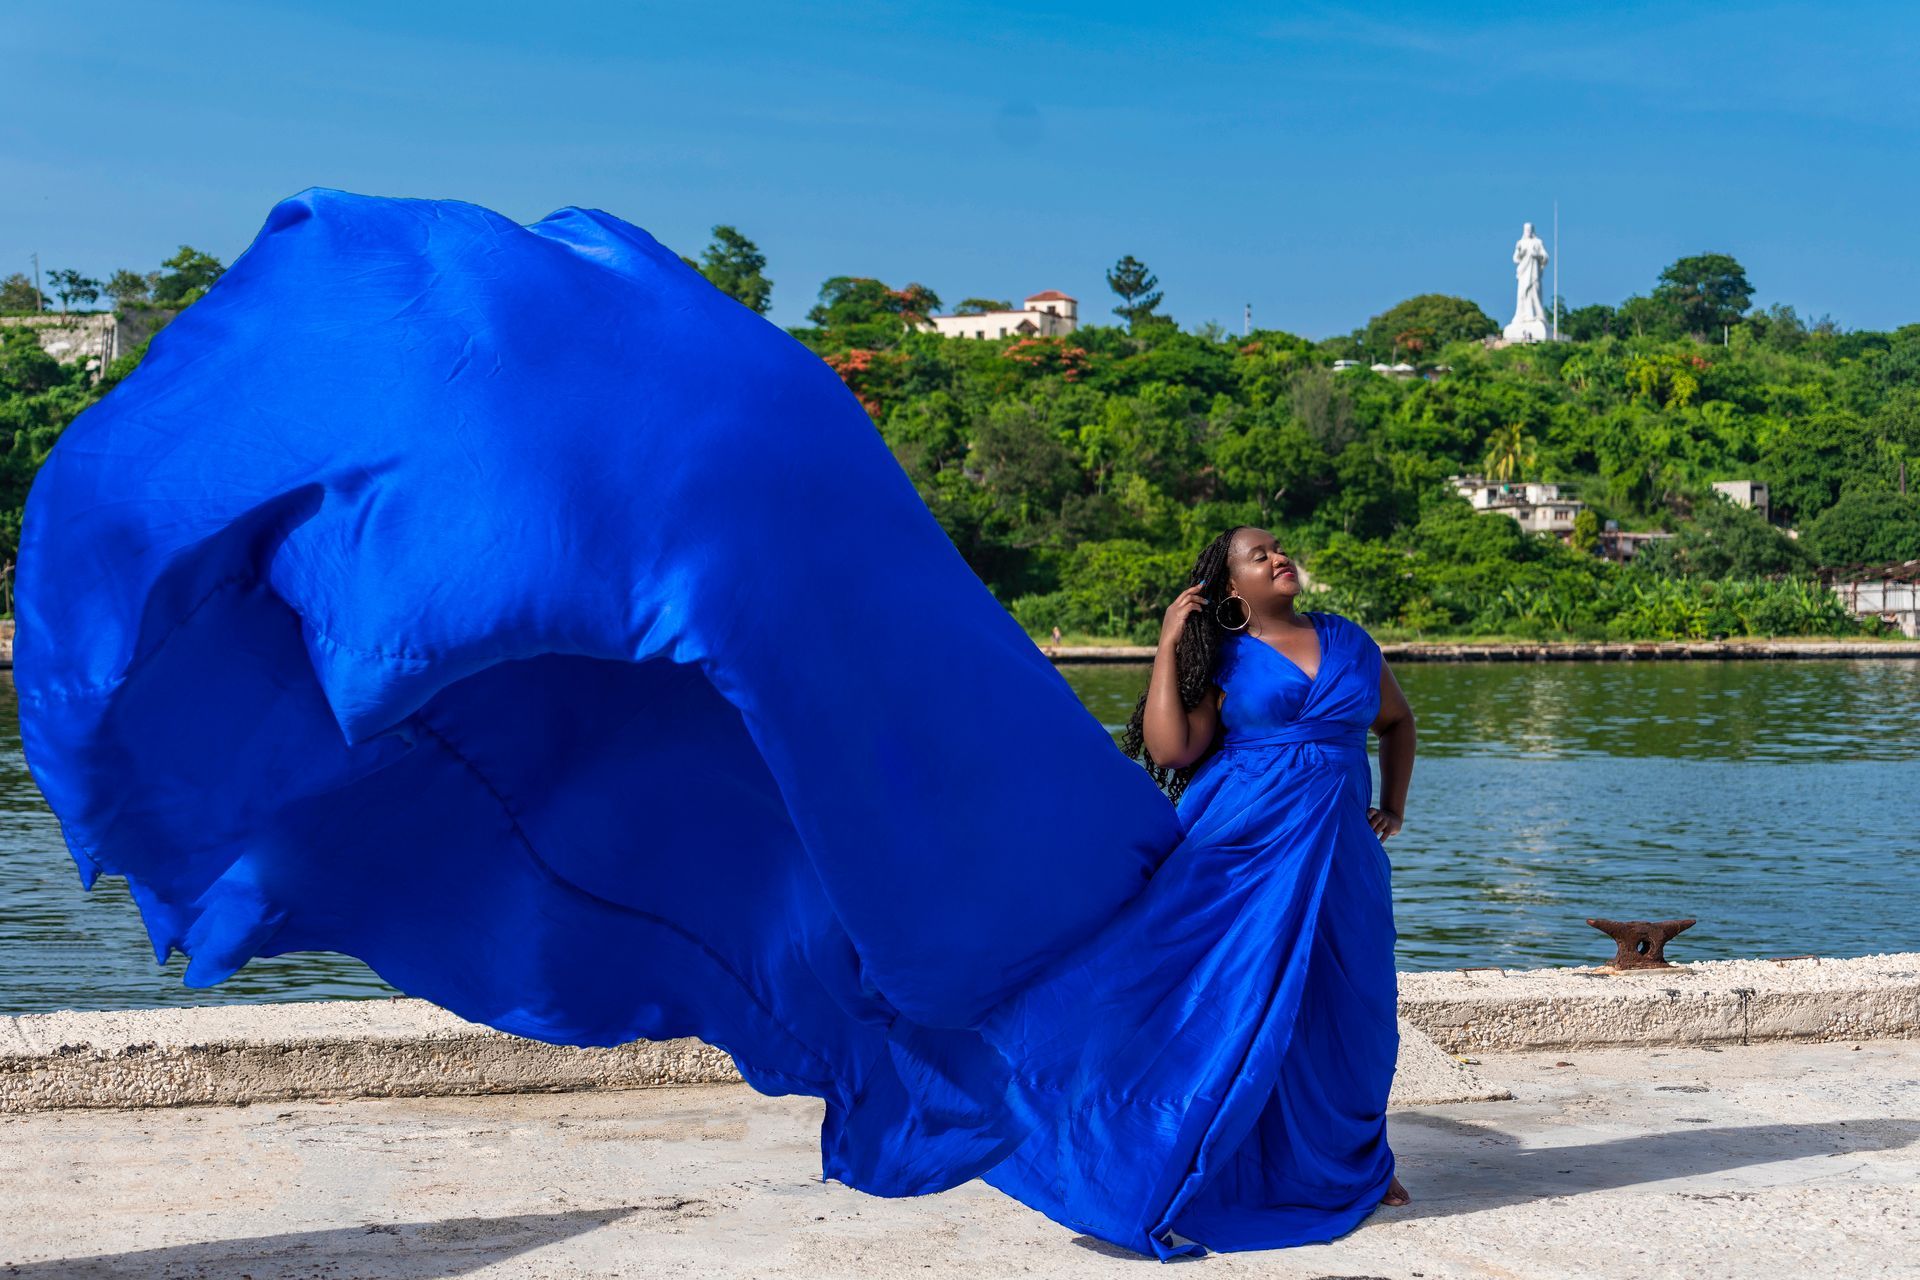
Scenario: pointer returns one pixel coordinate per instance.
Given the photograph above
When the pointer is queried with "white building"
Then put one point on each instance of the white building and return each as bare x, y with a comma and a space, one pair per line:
1050, 314
1745, 493
1536, 507
1889, 592
1621, 545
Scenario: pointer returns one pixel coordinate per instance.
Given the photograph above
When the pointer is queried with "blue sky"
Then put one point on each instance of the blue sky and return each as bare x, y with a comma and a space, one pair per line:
1318, 161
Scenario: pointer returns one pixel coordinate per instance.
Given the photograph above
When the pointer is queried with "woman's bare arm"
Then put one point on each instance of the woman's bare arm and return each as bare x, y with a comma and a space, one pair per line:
1395, 729
1176, 735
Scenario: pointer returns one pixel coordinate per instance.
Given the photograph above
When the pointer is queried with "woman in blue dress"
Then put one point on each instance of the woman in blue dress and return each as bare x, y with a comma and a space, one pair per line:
474, 599
1252, 1056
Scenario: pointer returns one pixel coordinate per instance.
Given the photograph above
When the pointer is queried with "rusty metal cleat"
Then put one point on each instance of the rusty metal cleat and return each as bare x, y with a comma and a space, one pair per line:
1641, 944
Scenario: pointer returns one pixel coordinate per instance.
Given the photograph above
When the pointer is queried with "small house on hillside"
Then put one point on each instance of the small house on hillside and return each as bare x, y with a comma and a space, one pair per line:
1048, 314
1745, 493
1536, 507
1889, 592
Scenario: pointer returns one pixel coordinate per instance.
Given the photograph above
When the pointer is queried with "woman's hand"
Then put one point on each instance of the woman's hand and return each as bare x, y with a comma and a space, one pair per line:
1184, 606
1385, 822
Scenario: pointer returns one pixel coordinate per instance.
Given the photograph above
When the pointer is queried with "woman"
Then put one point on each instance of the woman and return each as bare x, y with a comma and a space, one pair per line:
1245, 1067
1176, 736
493, 603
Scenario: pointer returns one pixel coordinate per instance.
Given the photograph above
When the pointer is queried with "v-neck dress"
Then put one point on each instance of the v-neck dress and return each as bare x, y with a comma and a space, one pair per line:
469, 597
1215, 1069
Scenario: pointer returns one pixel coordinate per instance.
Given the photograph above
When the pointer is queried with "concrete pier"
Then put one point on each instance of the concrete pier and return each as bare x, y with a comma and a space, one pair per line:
1714, 1120
242, 1054
1781, 1159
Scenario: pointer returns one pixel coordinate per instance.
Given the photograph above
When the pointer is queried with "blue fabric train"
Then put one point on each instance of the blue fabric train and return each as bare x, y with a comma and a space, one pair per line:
508, 608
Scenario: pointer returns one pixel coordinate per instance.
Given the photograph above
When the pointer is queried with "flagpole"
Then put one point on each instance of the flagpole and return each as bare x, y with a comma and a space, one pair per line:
1556, 271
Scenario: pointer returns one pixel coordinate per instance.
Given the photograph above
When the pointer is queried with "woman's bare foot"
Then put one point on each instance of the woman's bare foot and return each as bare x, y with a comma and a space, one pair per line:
1396, 1194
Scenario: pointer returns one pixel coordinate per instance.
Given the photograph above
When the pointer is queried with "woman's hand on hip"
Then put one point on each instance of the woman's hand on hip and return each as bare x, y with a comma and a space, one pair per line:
1385, 822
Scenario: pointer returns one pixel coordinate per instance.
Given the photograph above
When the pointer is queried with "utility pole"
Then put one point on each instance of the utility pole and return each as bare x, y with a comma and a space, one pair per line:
1246, 325
39, 300
1556, 271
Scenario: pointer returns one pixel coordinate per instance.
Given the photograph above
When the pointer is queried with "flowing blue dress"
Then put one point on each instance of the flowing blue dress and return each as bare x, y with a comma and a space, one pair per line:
506, 607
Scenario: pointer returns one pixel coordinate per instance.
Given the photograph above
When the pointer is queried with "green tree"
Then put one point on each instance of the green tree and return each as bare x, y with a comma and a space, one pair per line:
1643, 317
1586, 531
736, 267
1808, 460
185, 276
1867, 528
1367, 581
1706, 291
18, 294
1724, 540
1138, 290
850, 301
981, 306
1322, 404
70, 286
1416, 329
1510, 454
1589, 323
128, 288
1275, 465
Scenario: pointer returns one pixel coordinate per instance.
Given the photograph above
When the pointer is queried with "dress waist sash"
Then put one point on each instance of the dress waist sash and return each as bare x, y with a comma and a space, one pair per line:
1329, 733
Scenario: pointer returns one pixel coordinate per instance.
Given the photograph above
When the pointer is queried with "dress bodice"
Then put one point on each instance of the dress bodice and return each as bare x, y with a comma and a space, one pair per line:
1271, 701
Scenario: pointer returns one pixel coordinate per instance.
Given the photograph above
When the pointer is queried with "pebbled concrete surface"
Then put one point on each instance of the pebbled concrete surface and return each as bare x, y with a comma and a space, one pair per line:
1712, 1002
407, 1048
1696, 1163
239, 1054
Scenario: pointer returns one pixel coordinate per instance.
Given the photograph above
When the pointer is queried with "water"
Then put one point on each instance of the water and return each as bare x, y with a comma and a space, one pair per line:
1772, 800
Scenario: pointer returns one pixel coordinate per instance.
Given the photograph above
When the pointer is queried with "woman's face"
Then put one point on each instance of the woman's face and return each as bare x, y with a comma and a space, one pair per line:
1261, 573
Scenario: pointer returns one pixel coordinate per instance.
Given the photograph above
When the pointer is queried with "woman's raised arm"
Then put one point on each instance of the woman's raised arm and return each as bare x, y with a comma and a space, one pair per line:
1176, 734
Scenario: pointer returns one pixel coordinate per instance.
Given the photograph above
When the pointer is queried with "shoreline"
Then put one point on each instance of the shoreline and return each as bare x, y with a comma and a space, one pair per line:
1567, 651
1472, 651
228, 1055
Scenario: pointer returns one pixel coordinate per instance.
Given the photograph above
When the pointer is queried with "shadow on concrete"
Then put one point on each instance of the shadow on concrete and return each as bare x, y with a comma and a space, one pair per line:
1094, 1244
1488, 1169
398, 1250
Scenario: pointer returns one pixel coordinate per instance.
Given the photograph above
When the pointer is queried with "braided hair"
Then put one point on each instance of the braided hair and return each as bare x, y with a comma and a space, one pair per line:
1195, 655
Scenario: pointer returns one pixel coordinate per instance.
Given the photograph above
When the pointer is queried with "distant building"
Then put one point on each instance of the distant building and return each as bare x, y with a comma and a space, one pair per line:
1746, 493
1401, 370
92, 336
94, 339
1534, 506
1889, 592
1050, 314
1620, 546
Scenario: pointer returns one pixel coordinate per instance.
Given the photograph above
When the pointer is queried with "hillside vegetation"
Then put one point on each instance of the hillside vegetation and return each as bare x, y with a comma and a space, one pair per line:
1079, 476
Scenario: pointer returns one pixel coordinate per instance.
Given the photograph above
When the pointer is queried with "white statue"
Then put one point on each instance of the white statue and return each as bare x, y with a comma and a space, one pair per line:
1529, 318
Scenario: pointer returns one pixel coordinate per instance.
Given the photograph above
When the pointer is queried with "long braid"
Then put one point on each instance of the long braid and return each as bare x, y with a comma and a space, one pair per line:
1195, 655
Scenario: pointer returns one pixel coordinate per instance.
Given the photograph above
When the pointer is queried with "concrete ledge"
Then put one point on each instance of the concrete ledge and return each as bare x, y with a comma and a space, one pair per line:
238, 1054
1641, 651
1713, 1002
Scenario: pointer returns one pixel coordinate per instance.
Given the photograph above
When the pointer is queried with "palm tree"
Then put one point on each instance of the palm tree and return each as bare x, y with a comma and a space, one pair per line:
1509, 453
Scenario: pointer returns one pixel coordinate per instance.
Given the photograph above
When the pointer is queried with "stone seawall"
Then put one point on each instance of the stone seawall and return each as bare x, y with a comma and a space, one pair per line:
238, 1054
1441, 652
1637, 651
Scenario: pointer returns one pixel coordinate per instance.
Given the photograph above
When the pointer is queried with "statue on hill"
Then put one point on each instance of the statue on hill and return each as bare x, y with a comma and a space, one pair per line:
1529, 317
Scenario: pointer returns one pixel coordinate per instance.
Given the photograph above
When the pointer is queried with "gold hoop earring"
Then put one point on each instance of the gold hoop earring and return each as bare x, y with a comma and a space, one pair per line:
1246, 615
